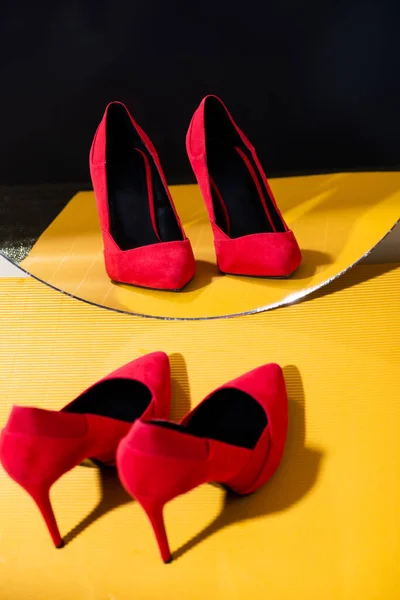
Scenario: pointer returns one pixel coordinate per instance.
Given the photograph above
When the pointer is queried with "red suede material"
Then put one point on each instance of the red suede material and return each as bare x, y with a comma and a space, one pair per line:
38, 446
146, 437
167, 265
258, 255
156, 464
33, 421
45, 448
242, 481
266, 385
163, 463
263, 255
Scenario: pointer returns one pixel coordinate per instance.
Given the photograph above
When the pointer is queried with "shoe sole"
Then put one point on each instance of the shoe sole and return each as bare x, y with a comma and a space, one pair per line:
259, 276
143, 287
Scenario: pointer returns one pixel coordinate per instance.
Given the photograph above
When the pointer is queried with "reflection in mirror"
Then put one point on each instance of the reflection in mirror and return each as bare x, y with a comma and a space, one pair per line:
53, 233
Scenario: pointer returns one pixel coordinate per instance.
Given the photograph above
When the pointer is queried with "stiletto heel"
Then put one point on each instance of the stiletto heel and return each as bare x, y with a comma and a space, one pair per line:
38, 446
35, 462
236, 437
151, 469
41, 496
250, 234
154, 511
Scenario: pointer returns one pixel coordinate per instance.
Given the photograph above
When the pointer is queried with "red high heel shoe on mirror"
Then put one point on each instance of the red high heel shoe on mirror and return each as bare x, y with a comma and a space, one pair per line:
144, 242
236, 437
250, 234
38, 446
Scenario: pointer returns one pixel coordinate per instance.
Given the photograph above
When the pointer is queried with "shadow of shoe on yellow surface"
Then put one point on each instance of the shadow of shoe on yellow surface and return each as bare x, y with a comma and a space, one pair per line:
112, 495
180, 387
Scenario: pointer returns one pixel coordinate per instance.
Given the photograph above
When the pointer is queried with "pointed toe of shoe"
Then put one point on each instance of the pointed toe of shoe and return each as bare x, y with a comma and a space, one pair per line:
263, 383
259, 255
154, 367
152, 370
165, 266
155, 364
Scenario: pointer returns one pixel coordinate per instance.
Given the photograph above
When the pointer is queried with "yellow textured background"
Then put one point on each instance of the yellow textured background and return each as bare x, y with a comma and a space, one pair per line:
327, 526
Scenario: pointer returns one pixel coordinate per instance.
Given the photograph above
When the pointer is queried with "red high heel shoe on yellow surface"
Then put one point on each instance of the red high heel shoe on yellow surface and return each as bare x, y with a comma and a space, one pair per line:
144, 242
38, 446
250, 234
236, 436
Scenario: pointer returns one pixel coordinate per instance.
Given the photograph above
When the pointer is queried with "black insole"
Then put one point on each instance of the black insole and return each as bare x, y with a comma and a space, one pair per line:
238, 190
229, 416
167, 224
235, 182
128, 189
122, 399
128, 199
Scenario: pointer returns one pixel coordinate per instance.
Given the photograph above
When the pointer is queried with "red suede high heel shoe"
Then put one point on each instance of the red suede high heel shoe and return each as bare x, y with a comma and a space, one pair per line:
236, 437
250, 235
144, 242
38, 446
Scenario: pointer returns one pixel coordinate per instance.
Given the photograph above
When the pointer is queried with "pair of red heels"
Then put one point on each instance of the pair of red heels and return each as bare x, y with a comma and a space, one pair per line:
144, 241
235, 436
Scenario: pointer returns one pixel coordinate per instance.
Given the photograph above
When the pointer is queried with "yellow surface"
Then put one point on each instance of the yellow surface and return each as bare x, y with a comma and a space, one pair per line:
336, 218
325, 527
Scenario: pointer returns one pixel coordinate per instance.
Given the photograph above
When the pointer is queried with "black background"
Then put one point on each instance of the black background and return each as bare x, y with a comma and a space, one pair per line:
315, 85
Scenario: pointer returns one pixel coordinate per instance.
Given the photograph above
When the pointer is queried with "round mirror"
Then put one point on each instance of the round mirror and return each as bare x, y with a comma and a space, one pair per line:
54, 235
